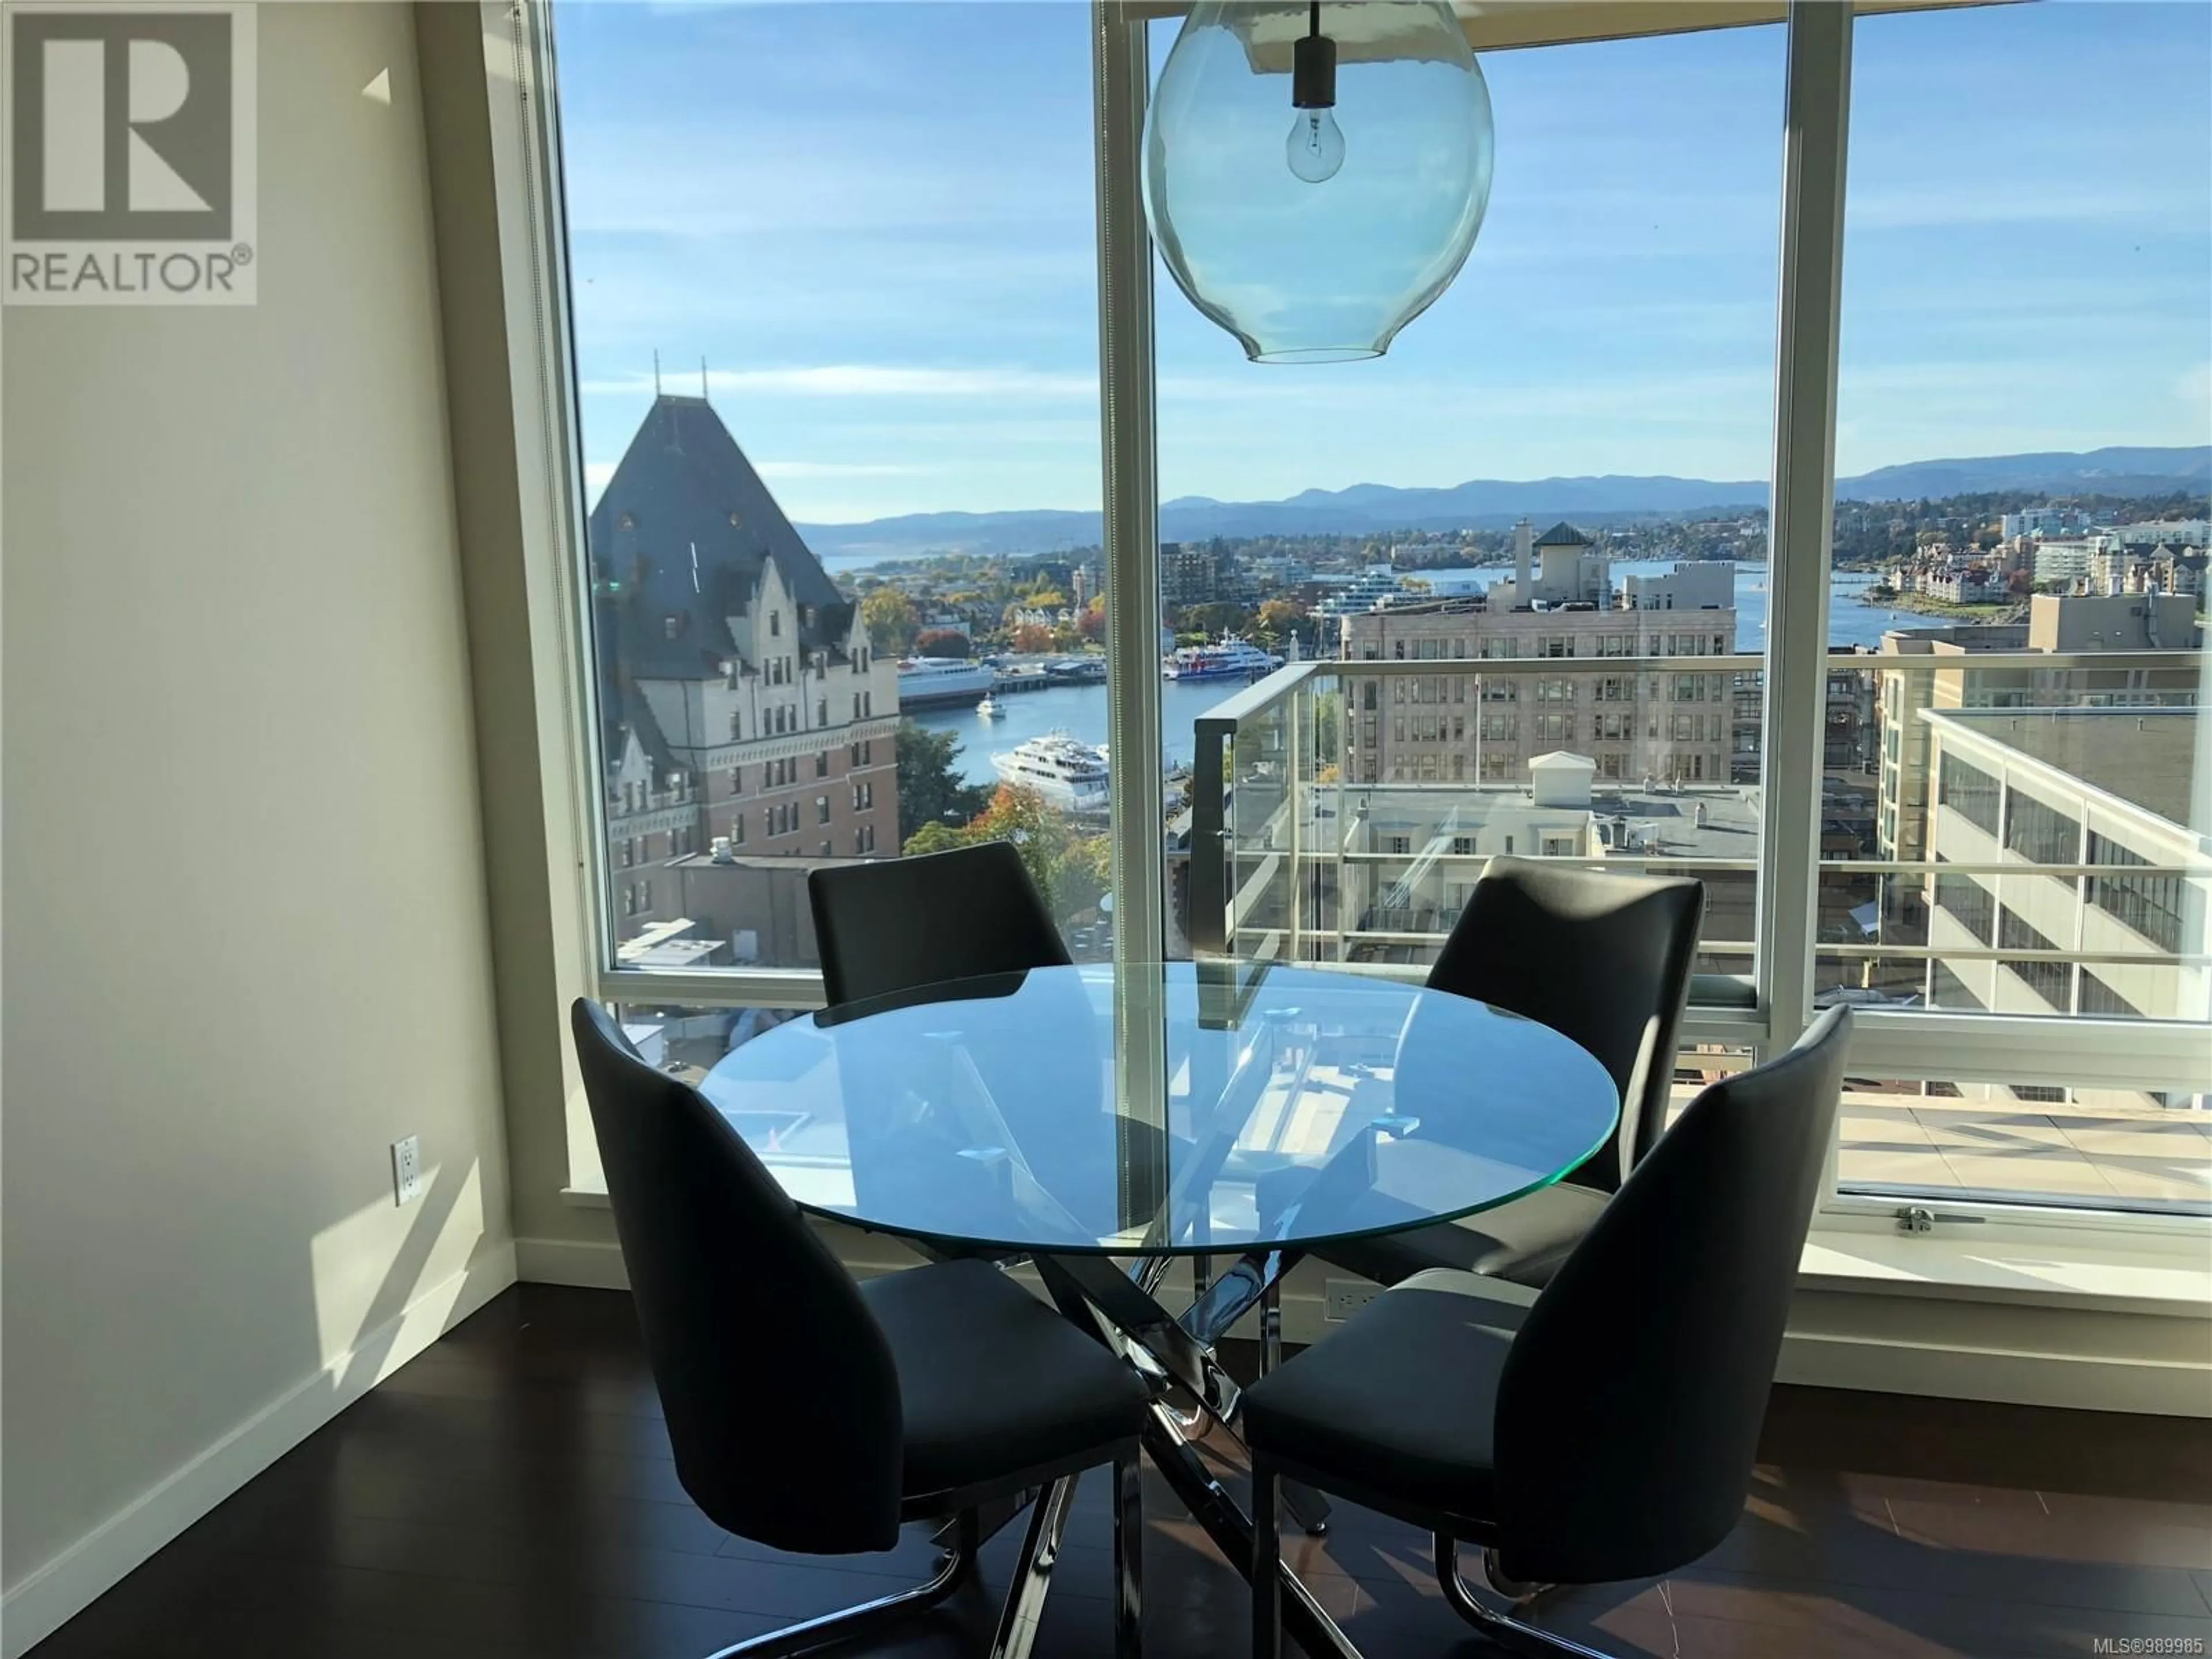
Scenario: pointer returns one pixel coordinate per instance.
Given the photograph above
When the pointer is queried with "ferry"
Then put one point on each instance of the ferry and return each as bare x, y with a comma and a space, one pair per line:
1068, 773
1225, 659
926, 680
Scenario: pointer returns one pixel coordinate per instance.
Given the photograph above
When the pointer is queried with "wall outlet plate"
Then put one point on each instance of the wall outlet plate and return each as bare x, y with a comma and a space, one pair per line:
407, 1169
1343, 1297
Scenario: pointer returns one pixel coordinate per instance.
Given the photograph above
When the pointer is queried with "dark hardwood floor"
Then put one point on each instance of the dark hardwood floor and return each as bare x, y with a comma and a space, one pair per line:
510, 1493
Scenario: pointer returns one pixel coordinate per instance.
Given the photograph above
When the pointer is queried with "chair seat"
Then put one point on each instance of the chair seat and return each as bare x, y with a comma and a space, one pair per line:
1409, 1407
993, 1382
1524, 1241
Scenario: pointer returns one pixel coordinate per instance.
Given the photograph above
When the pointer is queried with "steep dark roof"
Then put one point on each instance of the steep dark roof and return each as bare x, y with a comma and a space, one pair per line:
684, 484
1563, 534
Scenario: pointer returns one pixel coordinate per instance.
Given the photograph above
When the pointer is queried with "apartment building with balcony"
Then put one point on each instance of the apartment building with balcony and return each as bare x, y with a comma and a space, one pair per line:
2072, 830
1931, 668
746, 712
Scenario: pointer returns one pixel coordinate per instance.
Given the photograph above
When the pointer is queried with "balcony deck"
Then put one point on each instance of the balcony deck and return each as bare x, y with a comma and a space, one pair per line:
2106, 1157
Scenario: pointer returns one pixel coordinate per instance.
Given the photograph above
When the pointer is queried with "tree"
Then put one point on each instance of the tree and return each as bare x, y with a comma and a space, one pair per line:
943, 642
1071, 870
889, 616
1092, 624
930, 791
1032, 639
1218, 617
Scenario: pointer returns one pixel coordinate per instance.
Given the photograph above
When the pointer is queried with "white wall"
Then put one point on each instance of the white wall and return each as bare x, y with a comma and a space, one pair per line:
245, 944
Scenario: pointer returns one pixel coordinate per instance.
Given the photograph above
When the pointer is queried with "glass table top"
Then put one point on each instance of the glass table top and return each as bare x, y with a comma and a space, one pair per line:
1300, 1105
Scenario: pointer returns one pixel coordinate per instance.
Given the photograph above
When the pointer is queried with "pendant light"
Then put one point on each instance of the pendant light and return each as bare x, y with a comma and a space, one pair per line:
1315, 175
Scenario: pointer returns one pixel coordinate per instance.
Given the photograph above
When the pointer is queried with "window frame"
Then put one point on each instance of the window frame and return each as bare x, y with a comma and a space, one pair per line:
1921, 1045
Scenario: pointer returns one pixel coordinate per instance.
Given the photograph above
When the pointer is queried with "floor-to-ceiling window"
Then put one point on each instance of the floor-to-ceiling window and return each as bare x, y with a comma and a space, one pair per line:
835, 371
804, 560
2016, 788
1524, 552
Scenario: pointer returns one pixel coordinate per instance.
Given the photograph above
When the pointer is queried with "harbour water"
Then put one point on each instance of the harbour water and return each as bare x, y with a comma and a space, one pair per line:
1080, 710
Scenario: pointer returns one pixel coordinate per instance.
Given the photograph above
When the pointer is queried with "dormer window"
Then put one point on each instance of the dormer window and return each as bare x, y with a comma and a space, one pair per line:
626, 522
737, 520
672, 625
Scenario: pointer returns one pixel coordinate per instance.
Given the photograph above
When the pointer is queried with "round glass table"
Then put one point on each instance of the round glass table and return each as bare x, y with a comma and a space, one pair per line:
1105, 1125
1288, 1106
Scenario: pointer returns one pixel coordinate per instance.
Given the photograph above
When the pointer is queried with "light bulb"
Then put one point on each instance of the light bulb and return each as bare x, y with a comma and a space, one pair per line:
1315, 149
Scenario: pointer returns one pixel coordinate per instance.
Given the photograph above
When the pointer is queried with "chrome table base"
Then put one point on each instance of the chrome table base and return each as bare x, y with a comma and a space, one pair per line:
1120, 1305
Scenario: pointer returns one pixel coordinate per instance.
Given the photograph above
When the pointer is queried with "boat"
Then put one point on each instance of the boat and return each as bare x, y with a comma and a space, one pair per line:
926, 680
990, 708
1068, 773
1223, 659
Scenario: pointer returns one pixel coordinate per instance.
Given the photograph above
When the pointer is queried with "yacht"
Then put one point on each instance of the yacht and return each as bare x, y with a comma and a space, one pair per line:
926, 680
990, 708
1222, 660
1068, 773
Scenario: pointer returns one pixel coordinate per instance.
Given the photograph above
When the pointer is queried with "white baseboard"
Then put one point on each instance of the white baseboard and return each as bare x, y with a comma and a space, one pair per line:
51, 1595
585, 1263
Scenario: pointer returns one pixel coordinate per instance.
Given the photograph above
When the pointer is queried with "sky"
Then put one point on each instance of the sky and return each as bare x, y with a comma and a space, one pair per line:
874, 223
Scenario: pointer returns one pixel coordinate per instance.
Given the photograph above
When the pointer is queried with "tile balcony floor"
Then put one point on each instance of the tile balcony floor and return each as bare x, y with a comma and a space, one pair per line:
2104, 1157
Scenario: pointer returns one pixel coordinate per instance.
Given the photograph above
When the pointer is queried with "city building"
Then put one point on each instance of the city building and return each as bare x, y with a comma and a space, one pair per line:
2045, 521
1191, 573
1414, 852
2067, 559
1696, 585
1929, 668
1562, 567
1460, 725
2023, 796
744, 709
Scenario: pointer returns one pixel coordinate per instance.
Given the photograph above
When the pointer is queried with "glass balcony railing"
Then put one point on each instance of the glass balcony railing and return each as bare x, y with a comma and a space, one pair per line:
2021, 836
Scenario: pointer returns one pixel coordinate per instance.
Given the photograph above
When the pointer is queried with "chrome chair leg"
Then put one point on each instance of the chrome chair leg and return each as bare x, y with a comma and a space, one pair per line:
1518, 1591
1266, 1564
1507, 1631
1307, 1507
1129, 1557
869, 1617
1024, 1609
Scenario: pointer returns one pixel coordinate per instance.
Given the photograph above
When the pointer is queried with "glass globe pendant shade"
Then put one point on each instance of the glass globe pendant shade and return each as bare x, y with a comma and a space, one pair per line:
1315, 220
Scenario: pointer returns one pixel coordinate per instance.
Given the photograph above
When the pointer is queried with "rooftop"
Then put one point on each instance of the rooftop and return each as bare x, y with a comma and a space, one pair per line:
2144, 756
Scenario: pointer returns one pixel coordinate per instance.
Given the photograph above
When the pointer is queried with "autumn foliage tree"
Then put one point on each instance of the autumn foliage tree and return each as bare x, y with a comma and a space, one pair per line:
943, 642
887, 615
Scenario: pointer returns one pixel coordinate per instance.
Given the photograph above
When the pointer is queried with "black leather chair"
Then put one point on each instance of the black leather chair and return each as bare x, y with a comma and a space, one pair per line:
1604, 1427
1603, 959
814, 1414
901, 923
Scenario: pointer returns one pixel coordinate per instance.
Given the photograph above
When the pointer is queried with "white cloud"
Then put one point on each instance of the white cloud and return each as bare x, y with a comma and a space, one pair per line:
870, 380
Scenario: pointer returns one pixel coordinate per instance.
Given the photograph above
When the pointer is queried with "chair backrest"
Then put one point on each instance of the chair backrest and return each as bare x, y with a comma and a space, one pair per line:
899, 923
1630, 1408
779, 1389
1599, 957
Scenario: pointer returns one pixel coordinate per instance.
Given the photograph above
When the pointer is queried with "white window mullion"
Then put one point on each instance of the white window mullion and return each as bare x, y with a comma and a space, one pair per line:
1816, 116
1121, 81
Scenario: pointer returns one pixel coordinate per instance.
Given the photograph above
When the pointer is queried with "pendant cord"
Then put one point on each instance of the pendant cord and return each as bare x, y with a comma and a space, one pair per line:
1313, 26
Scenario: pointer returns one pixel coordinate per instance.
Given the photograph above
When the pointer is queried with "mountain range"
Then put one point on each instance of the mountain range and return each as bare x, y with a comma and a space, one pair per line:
1492, 503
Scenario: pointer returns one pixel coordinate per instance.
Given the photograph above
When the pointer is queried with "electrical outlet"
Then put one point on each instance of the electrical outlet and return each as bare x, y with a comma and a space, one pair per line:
407, 1169
1343, 1297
